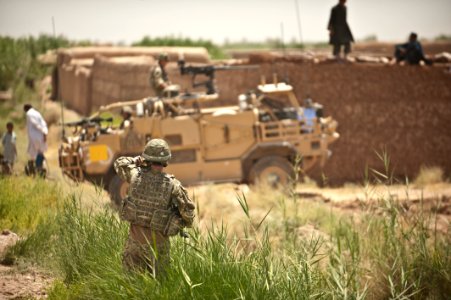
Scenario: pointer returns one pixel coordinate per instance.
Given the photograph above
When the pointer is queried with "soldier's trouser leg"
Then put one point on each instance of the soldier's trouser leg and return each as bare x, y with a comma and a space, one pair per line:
161, 249
146, 250
134, 257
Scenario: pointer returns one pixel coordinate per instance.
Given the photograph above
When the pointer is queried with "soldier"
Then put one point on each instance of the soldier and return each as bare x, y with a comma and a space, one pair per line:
157, 207
158, 77
126, 113
339, 31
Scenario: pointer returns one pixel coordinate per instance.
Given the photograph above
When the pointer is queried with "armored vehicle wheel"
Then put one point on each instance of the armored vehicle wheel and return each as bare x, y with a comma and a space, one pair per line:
272, 170
117, 189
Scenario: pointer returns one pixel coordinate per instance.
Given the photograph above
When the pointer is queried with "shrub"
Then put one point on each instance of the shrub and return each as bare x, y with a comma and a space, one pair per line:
25, 202
429, 175
214, 51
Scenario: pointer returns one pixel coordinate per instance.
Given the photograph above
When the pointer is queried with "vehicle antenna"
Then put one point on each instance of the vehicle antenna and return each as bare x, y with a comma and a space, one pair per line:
63, 132
285, 79
305, 74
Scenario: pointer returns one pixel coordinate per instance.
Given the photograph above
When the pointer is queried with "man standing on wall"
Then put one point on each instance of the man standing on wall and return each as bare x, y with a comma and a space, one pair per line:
339, 31
37, 140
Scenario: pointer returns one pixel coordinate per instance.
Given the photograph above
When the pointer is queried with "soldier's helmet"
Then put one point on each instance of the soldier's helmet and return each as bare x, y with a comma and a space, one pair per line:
127, 109
157, 150
163, 56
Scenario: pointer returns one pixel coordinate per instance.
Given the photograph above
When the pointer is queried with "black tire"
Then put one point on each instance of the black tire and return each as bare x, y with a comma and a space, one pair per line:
272, 170
117, 188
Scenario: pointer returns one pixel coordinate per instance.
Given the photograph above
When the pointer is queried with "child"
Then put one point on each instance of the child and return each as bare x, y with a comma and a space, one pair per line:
9, 149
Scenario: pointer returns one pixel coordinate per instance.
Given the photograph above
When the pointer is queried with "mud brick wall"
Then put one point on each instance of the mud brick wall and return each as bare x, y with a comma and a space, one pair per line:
119, 79
75, 85
127, 78
82, 90
402, 109
118, 73
405, 110
191, 54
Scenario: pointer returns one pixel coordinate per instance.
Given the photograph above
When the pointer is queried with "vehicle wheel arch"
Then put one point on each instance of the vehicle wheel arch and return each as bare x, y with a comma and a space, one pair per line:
284, 150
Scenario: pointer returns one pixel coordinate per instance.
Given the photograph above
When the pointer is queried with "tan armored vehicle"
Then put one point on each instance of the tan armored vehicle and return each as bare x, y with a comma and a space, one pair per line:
256, 140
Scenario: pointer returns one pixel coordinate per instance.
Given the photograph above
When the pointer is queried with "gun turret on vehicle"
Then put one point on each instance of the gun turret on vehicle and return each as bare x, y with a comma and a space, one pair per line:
88, 128
208, 71
88, 122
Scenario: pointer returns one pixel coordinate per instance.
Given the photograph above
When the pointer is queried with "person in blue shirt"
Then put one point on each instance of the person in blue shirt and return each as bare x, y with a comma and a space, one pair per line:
411, 52
310, 112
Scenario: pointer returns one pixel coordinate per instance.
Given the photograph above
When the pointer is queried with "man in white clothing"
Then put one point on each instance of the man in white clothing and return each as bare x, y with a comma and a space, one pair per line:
37, 138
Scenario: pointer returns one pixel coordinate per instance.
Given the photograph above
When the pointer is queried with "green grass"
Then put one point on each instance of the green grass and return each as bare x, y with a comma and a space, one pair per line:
18, 59
25, 202
385, 252
214, 50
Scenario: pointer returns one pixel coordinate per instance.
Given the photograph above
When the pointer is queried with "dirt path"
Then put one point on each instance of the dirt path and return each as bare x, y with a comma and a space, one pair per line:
23, 284
20, 281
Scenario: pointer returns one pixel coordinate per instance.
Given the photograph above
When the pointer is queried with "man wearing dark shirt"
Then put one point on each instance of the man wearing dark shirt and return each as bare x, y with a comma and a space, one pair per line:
411, 52
339, 31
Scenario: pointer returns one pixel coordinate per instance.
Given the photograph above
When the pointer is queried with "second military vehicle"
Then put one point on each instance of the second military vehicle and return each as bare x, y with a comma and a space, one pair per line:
256, 140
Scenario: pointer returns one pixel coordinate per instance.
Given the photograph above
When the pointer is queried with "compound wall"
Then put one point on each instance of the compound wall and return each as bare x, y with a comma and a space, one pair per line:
405, 110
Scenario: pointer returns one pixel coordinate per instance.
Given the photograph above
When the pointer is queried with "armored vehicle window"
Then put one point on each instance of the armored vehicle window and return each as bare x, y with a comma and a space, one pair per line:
173, 139
183, 156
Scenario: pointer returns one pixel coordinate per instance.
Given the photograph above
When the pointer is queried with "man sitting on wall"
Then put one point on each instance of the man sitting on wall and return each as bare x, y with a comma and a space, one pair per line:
411, 52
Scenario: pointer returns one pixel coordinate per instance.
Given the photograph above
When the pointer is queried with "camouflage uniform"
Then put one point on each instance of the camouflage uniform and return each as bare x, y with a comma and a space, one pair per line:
157, 207
158, 77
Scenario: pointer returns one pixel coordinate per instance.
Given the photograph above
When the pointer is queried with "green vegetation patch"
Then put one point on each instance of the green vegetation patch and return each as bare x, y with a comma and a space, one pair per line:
18, 59
25, 202
214, 50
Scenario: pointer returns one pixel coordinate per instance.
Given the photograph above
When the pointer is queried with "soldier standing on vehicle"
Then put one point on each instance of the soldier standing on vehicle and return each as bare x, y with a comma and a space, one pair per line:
339, 31
127, 120
157, 207
159, 80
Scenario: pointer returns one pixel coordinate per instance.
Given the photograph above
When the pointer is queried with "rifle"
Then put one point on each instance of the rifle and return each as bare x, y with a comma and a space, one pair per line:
208, 71
88, 121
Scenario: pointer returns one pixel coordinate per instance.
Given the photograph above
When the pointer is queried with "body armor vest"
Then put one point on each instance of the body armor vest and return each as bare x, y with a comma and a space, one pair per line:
149, 201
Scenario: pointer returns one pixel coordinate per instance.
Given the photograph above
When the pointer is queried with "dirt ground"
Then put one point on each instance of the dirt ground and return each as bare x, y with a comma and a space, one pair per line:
19, 281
